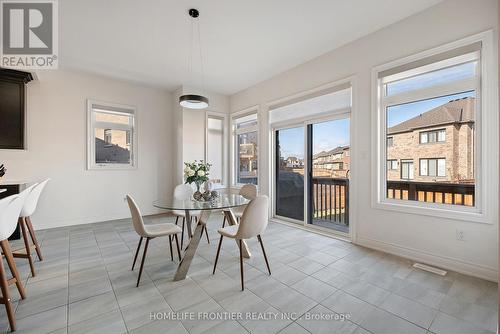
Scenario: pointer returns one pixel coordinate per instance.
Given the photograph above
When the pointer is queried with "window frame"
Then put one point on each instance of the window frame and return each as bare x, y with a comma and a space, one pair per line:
487, 138
92, 124
234, 142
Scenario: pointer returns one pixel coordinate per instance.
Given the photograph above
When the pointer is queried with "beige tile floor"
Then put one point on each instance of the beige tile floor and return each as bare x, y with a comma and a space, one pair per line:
318, 285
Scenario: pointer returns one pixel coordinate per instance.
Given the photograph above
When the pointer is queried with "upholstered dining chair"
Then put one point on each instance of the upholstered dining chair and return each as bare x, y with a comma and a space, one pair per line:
252, 224
26, 226
149, 232
184, 192
10, 208
248, 191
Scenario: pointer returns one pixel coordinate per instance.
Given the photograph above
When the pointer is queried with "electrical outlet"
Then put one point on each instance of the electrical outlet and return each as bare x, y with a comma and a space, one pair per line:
460, 235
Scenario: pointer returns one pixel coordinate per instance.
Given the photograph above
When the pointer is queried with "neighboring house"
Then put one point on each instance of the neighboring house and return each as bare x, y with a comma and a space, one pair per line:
436, 146
333, 163
294, 162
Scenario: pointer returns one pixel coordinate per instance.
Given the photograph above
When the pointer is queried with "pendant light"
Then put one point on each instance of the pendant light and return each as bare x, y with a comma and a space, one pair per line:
194, 101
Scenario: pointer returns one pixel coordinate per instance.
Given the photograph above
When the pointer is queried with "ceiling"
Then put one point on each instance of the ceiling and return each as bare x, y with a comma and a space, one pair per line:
244, 42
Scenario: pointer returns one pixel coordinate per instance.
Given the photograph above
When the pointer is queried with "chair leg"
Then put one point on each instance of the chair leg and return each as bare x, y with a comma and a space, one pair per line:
217, 256
182, 234
241, 265
142, 261
206, 233
264, 252
22, 224
177, 244
224, 221
31, 230
171, 253
137, 252
176, 220
4, 244
6, 298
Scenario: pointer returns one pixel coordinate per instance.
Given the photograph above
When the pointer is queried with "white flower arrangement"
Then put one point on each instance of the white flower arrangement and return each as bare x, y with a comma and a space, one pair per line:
196, 172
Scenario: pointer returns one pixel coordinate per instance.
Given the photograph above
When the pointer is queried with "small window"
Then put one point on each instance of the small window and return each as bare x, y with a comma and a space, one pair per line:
435, 136
111, 133
246, 149
392, 164
433, 167
390, 141
215, 148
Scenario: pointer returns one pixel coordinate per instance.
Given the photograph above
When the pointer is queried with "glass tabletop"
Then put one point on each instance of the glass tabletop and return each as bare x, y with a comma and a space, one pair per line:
223, 201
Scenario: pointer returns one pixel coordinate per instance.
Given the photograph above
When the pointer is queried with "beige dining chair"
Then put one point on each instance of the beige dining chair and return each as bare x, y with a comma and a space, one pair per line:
248, 191
252, 224
149, 232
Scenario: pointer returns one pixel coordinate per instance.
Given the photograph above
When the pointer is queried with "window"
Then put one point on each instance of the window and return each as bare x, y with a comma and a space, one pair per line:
390, 141
392, 164
407, 169
433, 167
435, 136
108, 137
215, 148
111, 134
246, 149
422, 103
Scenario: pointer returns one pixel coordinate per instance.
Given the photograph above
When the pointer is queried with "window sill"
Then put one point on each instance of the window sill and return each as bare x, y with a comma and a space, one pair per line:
448, 211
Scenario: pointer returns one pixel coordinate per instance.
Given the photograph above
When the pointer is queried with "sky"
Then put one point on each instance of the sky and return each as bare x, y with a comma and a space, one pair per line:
326, 136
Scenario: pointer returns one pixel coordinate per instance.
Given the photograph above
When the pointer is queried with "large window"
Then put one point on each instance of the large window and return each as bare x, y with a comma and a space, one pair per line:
246, 149
215, 148
111, 133
429, 101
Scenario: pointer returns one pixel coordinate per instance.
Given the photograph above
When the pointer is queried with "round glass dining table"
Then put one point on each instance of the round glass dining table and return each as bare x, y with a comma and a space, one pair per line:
224, 201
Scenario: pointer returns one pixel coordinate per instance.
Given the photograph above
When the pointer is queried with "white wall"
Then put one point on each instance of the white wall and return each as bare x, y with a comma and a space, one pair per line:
190, 128
428, 239
56, 148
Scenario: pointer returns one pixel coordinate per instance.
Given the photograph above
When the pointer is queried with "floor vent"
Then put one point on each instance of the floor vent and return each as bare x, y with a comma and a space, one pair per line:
430, 269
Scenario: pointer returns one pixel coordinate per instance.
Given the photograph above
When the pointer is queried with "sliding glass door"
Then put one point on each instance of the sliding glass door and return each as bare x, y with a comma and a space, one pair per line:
312, 170
329, 164
289, 174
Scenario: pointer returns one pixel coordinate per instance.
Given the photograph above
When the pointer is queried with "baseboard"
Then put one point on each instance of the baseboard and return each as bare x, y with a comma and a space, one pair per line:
89, 220
449, 263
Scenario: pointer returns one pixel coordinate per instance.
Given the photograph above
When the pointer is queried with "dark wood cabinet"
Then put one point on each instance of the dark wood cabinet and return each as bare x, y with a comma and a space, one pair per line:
12, 108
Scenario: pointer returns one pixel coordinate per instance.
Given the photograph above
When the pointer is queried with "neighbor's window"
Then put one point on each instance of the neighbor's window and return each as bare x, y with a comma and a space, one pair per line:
432, 100
432, 136
246, 149
392, 164
407, 170
110, 135
433, 167
390, 141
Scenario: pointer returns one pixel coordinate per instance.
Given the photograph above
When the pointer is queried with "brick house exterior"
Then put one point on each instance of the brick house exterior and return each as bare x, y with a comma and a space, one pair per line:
333, 163
453, 141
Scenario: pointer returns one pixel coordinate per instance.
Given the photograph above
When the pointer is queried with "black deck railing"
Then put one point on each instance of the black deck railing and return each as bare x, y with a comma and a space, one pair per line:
331, 199
435, 192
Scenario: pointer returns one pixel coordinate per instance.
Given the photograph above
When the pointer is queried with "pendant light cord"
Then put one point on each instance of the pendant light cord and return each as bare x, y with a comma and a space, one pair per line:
201, 59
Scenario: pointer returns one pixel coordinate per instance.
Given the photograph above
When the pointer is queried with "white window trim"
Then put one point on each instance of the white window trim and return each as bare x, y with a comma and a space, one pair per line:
90, 140
254, 110
486, 165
